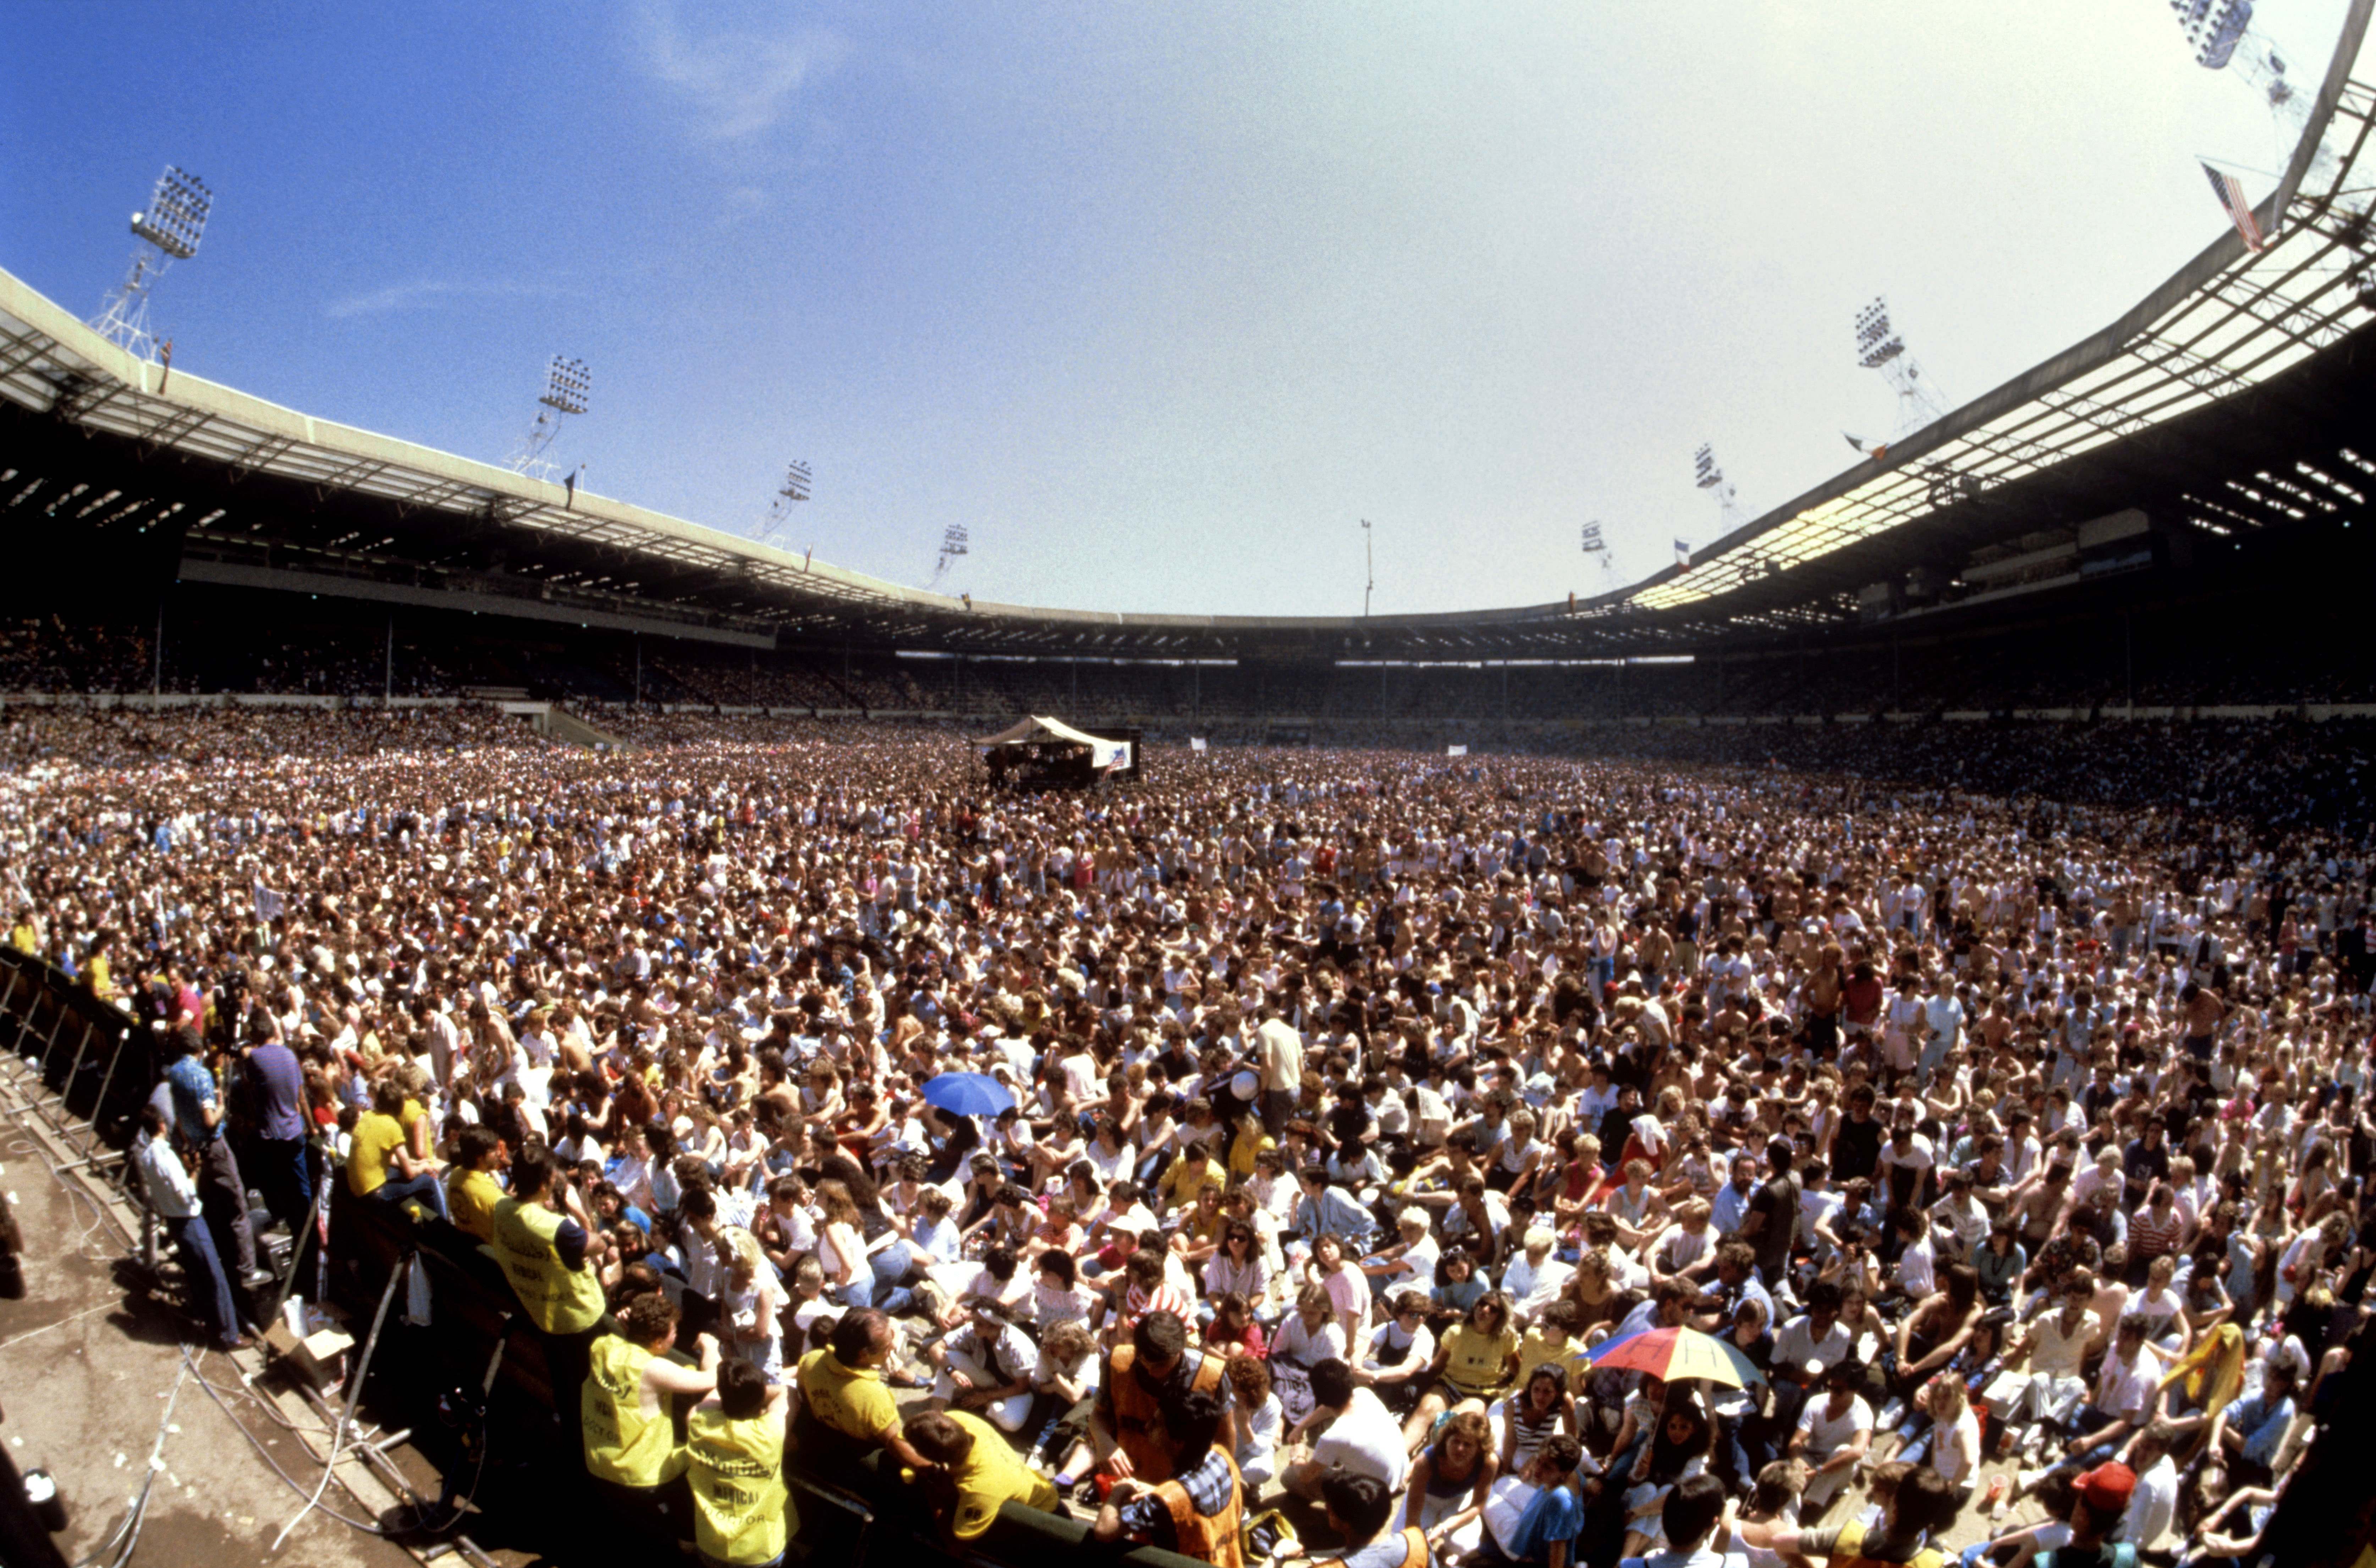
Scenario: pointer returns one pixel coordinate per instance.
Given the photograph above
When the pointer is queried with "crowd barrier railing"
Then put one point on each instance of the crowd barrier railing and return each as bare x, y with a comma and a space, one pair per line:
89, 1062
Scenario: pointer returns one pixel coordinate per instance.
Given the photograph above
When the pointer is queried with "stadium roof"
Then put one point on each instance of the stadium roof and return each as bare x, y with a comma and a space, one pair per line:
2184, 396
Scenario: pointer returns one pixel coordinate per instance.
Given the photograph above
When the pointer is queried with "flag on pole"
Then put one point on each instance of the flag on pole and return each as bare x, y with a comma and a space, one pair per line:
1683, 552
2230, 192
569, 502
1877, 451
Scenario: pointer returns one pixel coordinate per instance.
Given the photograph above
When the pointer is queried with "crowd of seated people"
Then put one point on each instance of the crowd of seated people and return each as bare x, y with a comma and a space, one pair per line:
1351, 1111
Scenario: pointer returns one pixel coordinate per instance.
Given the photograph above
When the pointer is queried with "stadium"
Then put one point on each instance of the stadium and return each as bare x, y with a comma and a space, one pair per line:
416, 834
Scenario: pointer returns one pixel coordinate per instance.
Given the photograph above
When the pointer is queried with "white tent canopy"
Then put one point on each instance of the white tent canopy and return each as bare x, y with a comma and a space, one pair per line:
1039, 729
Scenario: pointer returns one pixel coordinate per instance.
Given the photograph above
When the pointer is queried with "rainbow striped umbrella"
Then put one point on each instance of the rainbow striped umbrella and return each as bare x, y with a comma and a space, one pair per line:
1675, 1354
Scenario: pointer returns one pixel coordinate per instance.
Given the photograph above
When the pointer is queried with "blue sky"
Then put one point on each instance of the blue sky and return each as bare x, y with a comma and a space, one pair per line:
1156, 300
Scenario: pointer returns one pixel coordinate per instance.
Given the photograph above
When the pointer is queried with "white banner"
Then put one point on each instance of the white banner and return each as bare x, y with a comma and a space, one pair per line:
1196, 743
1456, 751
269, 904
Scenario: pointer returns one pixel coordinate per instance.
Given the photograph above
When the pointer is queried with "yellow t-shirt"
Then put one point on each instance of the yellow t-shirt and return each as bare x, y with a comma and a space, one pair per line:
471, 1197
1189, 1175
376, 1137
409, 1116
991, 1474
1244, 1148
1474, 1360
853, 1402
1536, 1350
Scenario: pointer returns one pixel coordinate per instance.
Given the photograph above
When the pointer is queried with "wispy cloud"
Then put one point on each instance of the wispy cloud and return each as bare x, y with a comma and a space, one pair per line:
425, 294
740, 80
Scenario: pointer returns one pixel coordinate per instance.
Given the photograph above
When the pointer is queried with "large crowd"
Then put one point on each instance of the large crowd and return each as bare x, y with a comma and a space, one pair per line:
1493, 1159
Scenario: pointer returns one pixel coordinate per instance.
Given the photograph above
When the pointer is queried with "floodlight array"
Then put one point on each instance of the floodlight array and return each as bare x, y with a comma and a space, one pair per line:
177, 217
567, 385
1876, 344
2214, 27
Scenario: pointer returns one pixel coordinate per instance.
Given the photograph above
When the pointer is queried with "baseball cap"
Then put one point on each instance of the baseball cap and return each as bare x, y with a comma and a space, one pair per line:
2106, 1488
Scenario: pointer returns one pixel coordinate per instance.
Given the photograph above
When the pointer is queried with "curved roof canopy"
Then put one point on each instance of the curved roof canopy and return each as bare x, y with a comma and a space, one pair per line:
390, 513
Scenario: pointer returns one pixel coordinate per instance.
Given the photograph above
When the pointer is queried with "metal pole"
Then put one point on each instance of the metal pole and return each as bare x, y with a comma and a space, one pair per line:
99, 1104
50, 1040
1369, 565
156, 680
65, 1085
14, 974
639, 667
25, 1022
388, 696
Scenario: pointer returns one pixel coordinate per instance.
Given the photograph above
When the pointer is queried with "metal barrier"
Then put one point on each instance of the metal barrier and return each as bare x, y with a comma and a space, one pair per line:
85, 1064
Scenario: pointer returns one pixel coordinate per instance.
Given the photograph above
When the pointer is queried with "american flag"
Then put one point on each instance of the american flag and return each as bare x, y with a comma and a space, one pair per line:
2230, 192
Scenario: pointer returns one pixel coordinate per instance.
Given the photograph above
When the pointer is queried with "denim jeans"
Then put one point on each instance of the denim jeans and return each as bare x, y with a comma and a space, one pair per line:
209, 1287
285, 1172
426, 1187
215, 1171
892, 1266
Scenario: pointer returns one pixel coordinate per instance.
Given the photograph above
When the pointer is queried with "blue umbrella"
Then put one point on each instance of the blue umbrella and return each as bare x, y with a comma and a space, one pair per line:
969, 1094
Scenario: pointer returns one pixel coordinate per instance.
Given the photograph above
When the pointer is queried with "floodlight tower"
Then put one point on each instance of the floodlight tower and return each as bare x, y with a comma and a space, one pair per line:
1708, 477
567, 385
1880, 347
954, 543
2220, 31
169, 231
790, 493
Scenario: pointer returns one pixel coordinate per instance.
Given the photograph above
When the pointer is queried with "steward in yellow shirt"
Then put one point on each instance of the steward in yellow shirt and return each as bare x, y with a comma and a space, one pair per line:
630, 1440
980, 1470
734, 1458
